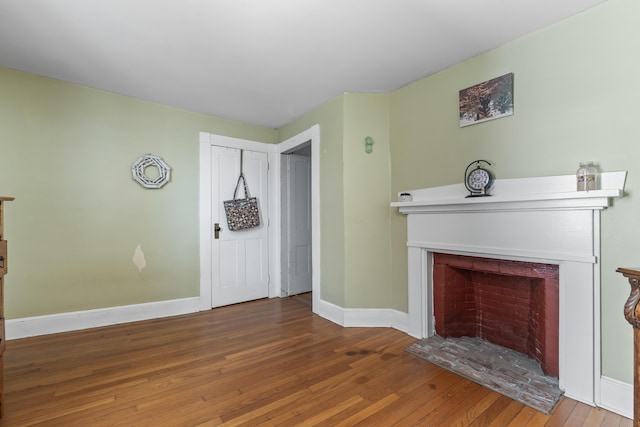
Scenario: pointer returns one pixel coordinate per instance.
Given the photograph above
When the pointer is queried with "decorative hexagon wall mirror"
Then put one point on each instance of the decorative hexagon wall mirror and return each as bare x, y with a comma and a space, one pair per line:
151, 171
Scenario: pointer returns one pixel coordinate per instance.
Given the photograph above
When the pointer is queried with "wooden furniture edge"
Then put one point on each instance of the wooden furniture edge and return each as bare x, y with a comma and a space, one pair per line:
632, 314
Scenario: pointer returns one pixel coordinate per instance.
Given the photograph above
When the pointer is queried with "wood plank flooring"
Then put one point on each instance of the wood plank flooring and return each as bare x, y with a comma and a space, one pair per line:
263, 363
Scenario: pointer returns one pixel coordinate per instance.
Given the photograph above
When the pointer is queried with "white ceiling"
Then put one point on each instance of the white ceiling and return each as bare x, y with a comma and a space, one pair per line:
263, 62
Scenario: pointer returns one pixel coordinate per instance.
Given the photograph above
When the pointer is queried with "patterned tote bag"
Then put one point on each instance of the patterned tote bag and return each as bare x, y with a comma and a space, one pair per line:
242, 213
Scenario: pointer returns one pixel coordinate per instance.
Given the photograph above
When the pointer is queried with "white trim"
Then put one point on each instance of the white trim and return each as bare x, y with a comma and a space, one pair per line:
315, 212
76, 320
312, 134
329, 311
537, 193
547, 256
597, 328
205, 228
363, 317
616, 396
244, 144
376, 318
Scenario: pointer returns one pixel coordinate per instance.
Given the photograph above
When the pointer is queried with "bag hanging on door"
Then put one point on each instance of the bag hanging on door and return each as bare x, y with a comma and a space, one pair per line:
242, 213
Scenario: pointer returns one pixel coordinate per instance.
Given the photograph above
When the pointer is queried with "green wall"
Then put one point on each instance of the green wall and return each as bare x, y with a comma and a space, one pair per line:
65, 154
366, 202
576, 87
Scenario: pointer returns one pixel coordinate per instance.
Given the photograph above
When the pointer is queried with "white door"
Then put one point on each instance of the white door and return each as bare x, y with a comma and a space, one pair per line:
240, 259
298, 229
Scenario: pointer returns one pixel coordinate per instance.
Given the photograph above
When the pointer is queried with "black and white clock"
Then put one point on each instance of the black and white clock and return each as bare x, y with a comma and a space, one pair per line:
479, 180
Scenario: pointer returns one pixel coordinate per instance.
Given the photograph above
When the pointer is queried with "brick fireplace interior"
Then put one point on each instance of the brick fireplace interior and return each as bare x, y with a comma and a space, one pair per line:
509, 303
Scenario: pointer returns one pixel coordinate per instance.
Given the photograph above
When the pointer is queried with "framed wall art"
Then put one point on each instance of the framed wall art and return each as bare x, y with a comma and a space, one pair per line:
485, 101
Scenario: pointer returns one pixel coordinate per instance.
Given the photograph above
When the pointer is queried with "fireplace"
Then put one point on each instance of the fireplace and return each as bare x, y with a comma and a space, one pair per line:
513, 304
530, 220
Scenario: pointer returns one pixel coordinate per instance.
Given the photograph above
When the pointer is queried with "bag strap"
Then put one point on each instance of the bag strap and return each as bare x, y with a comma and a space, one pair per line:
241, 177
246, 192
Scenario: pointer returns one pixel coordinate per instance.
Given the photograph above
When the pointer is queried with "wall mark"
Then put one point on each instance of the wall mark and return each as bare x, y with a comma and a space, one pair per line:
138, 259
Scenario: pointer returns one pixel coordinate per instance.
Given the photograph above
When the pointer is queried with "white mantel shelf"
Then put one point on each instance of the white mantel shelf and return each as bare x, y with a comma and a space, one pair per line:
539, 193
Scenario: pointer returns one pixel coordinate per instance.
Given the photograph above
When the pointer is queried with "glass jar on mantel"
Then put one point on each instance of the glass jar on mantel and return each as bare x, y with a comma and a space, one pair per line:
587, 177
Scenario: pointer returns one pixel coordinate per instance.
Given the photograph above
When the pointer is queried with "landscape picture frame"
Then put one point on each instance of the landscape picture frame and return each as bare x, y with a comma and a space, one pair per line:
489, 100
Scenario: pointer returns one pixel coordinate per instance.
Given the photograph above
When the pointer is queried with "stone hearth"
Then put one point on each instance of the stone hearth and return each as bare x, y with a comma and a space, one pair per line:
502, 370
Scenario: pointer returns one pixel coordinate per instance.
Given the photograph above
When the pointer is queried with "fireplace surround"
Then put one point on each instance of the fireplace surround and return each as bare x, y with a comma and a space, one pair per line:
535, 220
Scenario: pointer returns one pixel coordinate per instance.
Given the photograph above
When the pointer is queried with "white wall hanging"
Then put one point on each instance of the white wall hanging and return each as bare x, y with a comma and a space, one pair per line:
139, 168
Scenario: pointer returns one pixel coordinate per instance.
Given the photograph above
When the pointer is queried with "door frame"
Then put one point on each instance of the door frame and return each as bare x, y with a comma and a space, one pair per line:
274, 152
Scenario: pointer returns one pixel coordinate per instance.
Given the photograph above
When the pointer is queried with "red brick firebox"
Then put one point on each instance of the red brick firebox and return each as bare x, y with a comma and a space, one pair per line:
509, 303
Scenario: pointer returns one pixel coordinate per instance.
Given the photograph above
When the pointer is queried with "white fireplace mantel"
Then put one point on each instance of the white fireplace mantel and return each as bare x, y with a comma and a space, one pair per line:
542, 219
549, 192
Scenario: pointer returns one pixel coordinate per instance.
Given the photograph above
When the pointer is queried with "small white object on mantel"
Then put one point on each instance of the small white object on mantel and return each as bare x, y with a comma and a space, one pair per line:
548, 192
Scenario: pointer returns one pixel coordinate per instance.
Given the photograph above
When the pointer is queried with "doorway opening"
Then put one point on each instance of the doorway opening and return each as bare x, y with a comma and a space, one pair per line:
296, 240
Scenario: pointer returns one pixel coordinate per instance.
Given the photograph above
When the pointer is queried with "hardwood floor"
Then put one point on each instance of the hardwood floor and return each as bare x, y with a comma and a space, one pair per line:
267, 362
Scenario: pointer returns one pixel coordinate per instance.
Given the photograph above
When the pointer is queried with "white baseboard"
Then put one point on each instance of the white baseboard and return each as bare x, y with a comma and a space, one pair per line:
616, 396
363, 317
73, 321
329, 311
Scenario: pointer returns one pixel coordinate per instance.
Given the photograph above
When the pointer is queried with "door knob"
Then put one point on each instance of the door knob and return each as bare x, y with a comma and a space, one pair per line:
216, 230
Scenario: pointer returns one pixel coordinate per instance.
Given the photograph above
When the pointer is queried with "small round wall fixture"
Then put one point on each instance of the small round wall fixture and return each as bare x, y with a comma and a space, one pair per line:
151, 171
